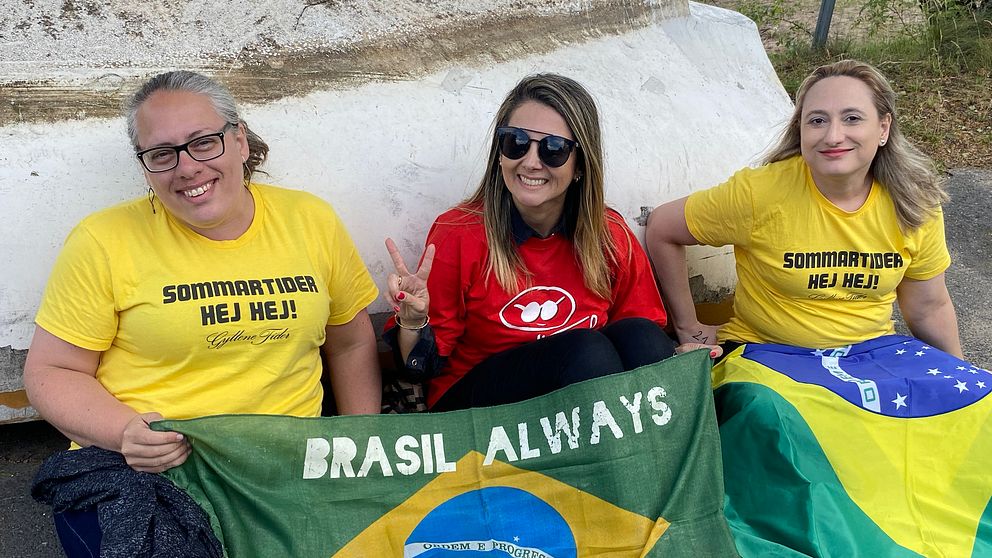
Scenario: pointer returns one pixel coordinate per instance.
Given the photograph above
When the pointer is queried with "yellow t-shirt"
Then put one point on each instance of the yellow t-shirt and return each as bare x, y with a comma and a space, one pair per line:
189, 326
809, 273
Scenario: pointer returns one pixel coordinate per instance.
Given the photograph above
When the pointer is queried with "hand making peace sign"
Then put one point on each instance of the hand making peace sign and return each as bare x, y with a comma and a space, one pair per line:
407, 294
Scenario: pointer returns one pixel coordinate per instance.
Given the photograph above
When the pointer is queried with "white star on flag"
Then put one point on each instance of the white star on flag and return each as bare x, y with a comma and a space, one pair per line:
919, 353
900, 401
901, 351
980, 384
973, 371
924, 347
818, 352
961, 368
962, 387
516, 539
933, 371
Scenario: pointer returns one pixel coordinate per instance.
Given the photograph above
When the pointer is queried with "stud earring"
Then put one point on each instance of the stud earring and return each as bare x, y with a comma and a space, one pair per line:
882, 141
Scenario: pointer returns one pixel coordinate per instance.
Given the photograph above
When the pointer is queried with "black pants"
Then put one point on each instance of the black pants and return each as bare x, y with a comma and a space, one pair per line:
79, 532
556, 361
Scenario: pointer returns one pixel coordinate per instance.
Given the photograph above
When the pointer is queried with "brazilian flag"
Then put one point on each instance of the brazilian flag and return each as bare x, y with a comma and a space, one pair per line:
622, 466
880, 449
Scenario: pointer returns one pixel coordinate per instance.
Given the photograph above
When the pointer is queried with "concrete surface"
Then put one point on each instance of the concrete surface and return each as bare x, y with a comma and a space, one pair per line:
386, 116
27, 525
28, 531
71, 59
968, 219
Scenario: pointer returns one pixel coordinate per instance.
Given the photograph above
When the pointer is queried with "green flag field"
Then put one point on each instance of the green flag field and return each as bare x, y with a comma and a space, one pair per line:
623, 466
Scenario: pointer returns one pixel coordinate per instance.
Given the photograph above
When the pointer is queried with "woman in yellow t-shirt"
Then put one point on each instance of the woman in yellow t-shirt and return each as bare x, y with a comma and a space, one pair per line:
842, 220
213, 295
834, 431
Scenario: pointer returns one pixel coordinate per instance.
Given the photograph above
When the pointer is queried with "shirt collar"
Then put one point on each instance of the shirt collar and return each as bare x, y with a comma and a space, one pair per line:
522, 232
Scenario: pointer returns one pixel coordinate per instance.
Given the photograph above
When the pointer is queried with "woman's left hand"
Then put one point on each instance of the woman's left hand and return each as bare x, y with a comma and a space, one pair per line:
150, 451
715, 350
698, 336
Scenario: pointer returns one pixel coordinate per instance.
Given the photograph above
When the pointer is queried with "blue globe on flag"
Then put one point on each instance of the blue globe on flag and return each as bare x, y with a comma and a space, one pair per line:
494, 521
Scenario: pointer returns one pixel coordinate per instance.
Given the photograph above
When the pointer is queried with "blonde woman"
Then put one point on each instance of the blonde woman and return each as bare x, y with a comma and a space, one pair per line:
841, 221
532, 283
824, 407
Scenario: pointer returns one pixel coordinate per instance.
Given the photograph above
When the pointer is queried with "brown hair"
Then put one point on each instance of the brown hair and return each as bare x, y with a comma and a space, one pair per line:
584, 212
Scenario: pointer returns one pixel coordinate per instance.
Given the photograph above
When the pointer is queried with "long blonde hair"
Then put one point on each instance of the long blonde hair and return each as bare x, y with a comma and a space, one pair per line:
584, 204
909, 176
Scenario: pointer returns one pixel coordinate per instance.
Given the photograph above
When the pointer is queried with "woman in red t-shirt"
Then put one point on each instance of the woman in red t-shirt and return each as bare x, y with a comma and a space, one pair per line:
532, 283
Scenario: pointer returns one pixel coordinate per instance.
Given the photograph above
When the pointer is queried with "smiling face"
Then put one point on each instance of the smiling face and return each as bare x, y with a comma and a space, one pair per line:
840, 131
209, 197
538, 190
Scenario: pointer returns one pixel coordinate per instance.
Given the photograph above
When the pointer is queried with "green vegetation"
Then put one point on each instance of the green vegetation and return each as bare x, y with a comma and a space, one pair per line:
937, 53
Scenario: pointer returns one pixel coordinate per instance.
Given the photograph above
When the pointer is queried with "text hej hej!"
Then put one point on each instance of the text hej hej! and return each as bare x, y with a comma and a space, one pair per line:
234, 312
822, 262
337, 456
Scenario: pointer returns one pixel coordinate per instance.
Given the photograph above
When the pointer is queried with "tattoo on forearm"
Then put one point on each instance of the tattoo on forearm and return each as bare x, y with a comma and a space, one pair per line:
700, 337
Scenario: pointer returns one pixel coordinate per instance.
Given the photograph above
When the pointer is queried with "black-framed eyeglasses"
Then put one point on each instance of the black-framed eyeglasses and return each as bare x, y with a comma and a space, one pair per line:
166, 157
551, 150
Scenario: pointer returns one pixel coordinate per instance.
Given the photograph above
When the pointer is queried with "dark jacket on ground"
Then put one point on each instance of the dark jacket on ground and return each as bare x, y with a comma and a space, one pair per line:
141, 514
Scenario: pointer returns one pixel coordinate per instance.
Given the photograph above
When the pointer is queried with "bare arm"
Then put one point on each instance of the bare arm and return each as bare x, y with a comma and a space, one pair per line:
60, 379
926, 306
355, 376
667, 236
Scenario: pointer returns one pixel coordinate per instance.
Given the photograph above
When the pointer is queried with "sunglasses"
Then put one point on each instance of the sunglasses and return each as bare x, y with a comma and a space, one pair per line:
553, 151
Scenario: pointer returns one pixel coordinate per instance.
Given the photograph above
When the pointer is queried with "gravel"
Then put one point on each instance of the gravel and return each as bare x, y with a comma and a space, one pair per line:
41, 39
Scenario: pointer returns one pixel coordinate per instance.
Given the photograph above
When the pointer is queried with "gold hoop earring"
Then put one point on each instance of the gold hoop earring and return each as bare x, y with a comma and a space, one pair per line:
248, 172
151, 198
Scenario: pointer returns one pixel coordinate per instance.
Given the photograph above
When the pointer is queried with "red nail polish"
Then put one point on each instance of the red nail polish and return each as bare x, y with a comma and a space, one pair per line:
396, 308
713, 354
400, 296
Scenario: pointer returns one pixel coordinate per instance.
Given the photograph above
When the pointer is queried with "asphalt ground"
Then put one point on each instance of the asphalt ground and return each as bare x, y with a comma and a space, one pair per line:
27, 530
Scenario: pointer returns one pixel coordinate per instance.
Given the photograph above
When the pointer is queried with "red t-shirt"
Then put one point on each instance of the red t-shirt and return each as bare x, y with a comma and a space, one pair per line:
473, 317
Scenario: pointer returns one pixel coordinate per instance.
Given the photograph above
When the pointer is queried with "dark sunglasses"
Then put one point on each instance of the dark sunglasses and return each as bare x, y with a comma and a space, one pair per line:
551, 150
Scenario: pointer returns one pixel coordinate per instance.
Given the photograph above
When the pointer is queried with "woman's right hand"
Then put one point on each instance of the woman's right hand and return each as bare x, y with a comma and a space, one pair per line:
698, 336
147, 450
408, 296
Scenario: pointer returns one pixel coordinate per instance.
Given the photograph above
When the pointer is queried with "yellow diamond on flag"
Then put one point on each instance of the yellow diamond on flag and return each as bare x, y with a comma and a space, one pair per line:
499, 507
922, 480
